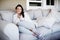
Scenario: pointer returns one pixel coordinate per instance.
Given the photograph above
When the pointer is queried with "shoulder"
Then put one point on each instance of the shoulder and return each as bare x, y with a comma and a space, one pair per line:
15, 15
26, 14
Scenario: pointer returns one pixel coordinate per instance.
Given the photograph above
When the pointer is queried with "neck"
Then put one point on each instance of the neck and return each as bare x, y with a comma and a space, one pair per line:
18, 15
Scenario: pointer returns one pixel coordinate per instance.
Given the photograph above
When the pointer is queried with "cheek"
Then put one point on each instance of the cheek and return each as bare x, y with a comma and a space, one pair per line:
18, 11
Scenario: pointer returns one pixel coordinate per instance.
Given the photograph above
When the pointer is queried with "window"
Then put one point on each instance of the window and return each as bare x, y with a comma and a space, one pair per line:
50, 2
38, 0
34, 4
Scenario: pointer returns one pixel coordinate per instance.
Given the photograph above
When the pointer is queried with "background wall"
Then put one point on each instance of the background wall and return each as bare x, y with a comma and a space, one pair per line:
10, 4
59, 5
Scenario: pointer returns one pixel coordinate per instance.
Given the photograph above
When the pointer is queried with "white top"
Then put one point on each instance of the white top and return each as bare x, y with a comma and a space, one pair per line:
16, 19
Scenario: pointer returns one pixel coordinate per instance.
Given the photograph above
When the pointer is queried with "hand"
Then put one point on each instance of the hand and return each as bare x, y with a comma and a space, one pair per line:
34, 34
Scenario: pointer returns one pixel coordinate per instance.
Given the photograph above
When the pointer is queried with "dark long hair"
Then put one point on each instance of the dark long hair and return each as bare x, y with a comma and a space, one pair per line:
22, 13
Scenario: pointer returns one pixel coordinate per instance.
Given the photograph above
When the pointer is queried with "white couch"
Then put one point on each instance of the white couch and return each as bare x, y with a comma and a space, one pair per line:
38, 15
48, 23
8, 30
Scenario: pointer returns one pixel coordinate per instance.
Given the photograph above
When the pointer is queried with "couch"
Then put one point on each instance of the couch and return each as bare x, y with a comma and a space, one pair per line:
40, 16
48, 23
8, 30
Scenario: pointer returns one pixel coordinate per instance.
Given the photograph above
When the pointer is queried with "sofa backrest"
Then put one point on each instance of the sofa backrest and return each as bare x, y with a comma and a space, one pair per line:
7, 15
38, 13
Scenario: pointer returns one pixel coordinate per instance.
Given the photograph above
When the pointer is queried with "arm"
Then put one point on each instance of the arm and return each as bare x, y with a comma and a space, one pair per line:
27, 17
15, 19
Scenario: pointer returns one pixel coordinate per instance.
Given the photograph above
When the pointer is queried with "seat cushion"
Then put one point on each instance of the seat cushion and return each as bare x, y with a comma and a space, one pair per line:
24, 36
52, 36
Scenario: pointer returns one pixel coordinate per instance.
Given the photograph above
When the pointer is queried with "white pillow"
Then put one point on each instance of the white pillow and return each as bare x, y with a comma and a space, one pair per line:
47, 21
45, 12
38, 13
30, 12
35, 13
7, 15
57, 16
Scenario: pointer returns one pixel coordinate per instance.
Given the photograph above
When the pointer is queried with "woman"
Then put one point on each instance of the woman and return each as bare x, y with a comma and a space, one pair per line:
20, 15
26, 25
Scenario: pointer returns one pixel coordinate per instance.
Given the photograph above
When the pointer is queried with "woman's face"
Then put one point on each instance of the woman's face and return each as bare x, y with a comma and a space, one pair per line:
18, 10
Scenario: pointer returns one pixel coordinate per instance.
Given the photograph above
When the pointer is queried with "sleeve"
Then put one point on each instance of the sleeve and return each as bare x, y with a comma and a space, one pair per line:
27, 17
15, 20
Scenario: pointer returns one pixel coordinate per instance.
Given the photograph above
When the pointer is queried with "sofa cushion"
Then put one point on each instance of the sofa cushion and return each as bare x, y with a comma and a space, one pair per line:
45, 12
34, 14
54, 13
30, 12
47, 21
38, 13
7, 15
56, 27
52, 36
57, 16
24, 36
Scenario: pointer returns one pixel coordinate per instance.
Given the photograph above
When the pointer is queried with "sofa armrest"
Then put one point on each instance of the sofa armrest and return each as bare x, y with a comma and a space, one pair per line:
8, 31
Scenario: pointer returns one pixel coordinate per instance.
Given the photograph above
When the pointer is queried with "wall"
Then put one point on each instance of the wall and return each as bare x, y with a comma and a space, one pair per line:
58, 5
10, 4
